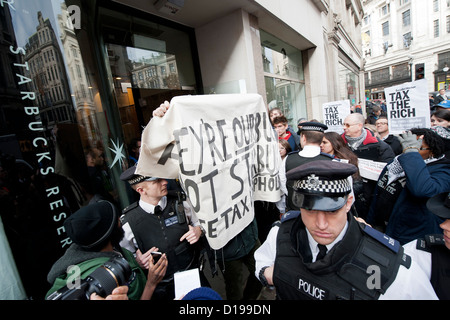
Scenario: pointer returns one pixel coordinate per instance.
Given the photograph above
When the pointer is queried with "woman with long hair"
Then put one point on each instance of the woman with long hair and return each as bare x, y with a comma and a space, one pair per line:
441, 118
333, 144
284, 148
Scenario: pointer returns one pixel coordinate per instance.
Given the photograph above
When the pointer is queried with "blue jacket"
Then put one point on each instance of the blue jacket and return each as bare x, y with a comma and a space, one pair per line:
410, 218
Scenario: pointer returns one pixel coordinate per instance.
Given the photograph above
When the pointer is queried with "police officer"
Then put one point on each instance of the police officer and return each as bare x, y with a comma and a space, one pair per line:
163, 223
432, 252
321, 252
311, 136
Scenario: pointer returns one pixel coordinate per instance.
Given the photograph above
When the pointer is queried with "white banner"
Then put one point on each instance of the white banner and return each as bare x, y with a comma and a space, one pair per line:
408, 106
334, 114
225, 152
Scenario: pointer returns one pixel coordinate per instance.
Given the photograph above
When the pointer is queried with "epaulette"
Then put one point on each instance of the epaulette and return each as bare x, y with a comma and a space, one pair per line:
291, 214
276, 223
428, 241
390, 243
384, 239
130, 207
327, 155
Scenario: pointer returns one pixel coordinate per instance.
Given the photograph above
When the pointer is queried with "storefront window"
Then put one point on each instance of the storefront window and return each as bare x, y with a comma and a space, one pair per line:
284, 78
71, 99
349, 85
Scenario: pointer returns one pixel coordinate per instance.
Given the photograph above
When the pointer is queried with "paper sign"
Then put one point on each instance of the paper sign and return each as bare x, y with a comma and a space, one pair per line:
334, 114
408, 106
370, 169
186, 281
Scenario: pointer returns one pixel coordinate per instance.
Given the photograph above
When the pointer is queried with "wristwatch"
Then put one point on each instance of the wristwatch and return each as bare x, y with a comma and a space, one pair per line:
262, 278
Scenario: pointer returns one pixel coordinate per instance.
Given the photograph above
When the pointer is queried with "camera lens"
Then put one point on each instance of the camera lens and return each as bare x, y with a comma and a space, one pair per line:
110, 275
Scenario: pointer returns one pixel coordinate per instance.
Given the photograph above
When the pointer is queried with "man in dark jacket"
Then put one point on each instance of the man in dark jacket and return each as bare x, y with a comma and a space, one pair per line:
366, 146
382, 126
374, 114
440, 97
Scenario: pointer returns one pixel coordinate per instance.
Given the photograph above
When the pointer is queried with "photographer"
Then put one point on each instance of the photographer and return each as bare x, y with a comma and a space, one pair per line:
95, 231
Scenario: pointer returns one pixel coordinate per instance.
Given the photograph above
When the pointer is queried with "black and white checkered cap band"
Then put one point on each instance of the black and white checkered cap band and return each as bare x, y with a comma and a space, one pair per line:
312, 128
138, 179
314, 184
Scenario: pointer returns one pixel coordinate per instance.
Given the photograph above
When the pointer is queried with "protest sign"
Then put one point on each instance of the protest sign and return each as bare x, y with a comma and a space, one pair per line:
225, 152
407, 106
334, 114
370, 169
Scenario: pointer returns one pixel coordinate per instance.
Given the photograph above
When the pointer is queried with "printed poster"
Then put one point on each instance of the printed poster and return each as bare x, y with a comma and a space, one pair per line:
334, 114
408, 106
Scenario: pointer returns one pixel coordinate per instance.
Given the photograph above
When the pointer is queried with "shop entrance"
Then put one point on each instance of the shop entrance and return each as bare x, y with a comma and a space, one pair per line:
149, 62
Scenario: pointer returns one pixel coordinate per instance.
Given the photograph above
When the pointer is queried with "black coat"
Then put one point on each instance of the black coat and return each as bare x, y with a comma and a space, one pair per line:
395, 144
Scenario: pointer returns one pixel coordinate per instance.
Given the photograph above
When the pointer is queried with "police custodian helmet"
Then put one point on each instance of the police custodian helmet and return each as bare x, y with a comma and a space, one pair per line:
321, 185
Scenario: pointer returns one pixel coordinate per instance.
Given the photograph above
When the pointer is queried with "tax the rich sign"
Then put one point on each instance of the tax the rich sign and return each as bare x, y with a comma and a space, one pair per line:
225, 152
334, 114
407, 106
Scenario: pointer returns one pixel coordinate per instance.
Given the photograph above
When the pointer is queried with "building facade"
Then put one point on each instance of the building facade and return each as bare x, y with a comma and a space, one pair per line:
405, 40
82, 78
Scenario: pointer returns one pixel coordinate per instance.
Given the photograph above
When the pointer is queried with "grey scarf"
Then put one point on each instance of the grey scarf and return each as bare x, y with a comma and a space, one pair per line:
354, 143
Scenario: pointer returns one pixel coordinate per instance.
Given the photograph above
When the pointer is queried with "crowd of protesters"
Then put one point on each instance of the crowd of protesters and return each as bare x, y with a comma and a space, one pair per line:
417, 170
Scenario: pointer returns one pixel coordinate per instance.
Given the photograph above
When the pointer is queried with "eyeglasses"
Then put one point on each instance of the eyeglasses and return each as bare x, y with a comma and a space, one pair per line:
424, 148
349, 125
380, 123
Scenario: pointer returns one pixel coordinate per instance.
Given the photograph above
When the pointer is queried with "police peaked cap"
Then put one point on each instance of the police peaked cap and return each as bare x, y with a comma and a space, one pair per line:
93, 224
440, 205
321, 185
313, 126
132, 178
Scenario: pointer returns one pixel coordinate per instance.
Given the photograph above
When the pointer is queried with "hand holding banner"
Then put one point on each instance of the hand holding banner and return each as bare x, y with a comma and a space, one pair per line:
225, 152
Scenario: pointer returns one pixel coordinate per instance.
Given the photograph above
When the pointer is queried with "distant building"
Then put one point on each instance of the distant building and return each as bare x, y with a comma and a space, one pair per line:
405, 40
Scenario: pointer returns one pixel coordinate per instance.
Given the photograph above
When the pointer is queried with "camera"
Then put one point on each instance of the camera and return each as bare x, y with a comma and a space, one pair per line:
113, 273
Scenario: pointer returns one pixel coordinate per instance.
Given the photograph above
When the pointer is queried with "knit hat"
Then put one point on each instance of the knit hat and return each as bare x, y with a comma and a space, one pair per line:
202, 293
91, 225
